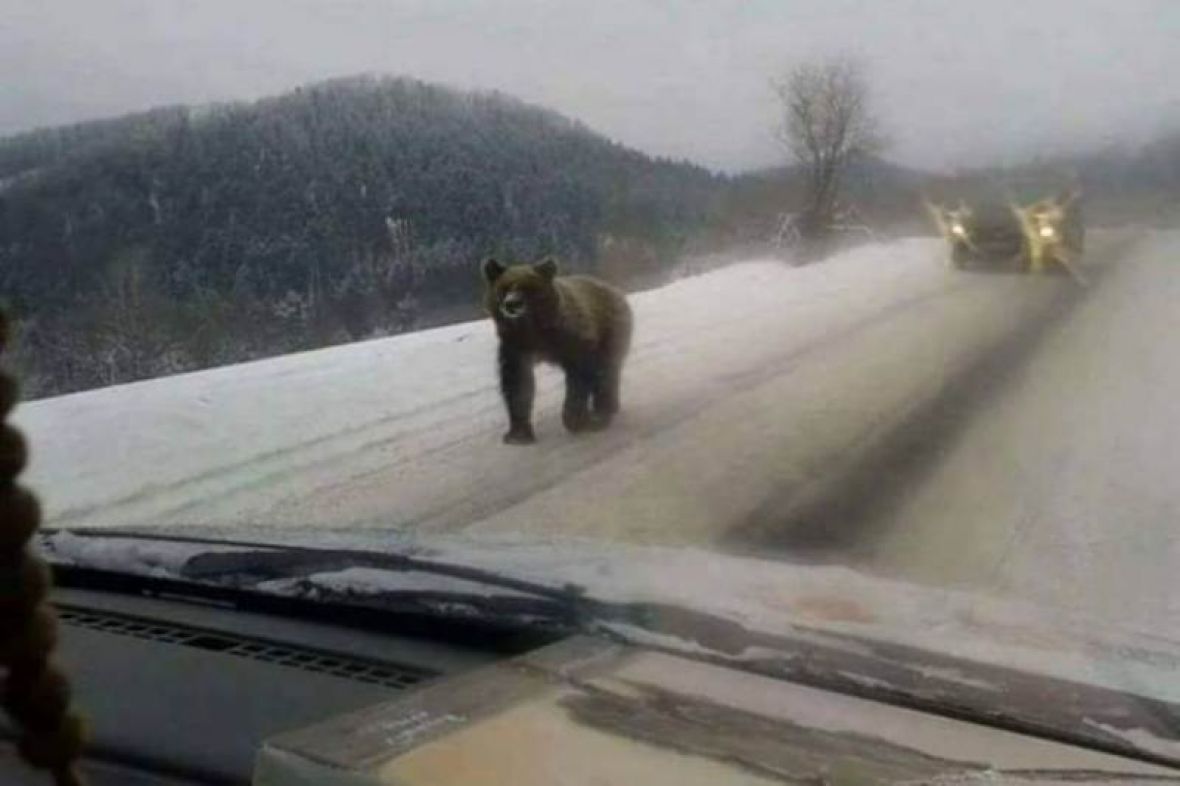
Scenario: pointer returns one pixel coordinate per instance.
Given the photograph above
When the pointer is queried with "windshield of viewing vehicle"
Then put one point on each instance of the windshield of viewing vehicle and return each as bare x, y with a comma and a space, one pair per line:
855, 313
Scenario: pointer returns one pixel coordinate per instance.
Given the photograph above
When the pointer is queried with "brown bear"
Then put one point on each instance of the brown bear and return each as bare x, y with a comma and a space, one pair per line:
576, 322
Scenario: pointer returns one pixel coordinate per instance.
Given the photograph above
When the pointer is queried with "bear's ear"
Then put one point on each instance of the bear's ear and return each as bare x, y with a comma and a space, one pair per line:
547, 268
492, 270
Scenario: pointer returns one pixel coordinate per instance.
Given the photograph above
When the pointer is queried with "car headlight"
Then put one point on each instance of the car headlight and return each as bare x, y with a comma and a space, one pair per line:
1047, 231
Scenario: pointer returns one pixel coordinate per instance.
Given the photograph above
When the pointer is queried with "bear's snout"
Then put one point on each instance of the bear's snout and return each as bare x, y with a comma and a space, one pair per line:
513, 305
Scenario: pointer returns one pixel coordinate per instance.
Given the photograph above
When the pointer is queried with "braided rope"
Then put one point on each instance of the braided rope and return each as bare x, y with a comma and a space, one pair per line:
34, 692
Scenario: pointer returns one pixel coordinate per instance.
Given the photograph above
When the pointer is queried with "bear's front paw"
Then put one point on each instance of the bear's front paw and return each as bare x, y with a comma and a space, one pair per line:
522, 435
583, 422
598, 421
575, 421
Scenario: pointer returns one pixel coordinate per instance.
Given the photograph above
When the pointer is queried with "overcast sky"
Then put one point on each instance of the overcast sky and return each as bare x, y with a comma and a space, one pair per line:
954, 82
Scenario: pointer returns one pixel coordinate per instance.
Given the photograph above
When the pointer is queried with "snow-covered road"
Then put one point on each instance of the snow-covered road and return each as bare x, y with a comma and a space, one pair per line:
742, 382
1065, 488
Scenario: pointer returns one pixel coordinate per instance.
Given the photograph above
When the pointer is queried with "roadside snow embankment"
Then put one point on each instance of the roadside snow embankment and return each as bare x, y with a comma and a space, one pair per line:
742, 382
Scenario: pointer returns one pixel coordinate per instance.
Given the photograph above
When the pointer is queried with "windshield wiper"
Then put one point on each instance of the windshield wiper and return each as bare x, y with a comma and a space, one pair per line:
434, 598
226, 558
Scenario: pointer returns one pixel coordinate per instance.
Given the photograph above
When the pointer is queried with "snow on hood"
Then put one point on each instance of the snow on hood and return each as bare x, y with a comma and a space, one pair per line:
139, 557
360, 581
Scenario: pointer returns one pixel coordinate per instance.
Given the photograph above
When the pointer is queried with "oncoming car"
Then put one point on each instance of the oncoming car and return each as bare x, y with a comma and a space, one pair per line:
1045, 236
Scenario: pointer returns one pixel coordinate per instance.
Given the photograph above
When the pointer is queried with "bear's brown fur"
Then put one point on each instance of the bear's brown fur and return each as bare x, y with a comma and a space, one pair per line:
576, 322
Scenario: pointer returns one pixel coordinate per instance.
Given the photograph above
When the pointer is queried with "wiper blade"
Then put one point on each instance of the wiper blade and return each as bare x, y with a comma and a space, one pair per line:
304, 581
223, 558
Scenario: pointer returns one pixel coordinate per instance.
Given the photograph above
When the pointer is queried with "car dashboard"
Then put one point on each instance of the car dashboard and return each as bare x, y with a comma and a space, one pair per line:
183, 691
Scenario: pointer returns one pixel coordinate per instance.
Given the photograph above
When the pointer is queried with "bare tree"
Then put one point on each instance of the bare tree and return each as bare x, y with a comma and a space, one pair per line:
826, 124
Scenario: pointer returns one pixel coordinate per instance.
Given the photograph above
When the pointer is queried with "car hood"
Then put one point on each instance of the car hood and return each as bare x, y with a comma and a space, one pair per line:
961, 654
610, 713
993, 222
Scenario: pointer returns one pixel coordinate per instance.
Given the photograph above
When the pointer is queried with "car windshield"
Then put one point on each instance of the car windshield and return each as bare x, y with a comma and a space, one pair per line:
854, 315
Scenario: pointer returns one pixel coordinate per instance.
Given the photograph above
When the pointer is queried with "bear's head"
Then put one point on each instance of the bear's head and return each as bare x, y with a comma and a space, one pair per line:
521, 298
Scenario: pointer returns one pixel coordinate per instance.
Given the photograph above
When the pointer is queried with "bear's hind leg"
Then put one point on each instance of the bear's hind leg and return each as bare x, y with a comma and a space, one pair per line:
575, 414
609, 369
606, 393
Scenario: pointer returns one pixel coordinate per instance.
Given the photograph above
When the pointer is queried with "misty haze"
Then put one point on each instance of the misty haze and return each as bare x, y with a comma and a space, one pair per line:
686, 80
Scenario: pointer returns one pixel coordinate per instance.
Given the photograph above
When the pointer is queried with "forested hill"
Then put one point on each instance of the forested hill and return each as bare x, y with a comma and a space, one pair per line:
188, 237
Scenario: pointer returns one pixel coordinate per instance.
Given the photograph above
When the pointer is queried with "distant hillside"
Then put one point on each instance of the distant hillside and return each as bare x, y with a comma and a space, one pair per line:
182, 238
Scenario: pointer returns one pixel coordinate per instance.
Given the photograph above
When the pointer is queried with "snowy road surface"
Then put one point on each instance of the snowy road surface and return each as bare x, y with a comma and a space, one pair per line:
741, 382
1065, 488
